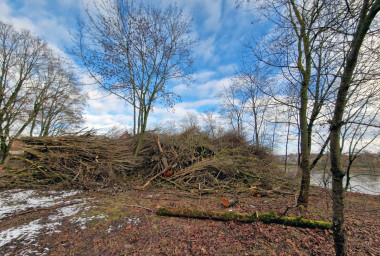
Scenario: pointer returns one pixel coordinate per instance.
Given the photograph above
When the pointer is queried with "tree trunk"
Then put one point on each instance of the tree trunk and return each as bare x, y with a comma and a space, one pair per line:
274, 132
139, 143
5, 157
134, 112
32, 127
286, 145
339, 228
143, 125
348, 178
303, 198
367, 15
256, 128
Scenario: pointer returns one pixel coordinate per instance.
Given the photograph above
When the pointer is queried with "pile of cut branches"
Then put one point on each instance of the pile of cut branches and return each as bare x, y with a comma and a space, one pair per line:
79, 161
189, 160
193, 160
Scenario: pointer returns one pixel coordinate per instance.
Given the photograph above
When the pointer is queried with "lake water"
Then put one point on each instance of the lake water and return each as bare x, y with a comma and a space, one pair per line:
366, 183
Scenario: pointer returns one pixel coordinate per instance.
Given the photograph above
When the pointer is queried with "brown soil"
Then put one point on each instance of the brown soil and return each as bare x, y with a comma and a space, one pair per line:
129, 228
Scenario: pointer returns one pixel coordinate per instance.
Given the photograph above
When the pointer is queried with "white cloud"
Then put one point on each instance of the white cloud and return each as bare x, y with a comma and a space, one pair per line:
104, 122
181, 89
107, 104
204, 75
35, 16
197, 104
5, 10
208, 89
204, 87
162, 115
227, 69
206, 50
211, 88
209, 12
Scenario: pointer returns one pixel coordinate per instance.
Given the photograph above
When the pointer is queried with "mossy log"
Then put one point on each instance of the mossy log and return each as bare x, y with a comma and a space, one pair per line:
269, 217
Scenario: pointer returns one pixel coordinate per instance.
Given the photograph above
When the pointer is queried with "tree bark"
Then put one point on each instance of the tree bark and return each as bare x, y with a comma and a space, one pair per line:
367, 15
303, 198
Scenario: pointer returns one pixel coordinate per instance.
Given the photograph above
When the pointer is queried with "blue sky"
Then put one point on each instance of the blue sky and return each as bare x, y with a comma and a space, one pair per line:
222, 31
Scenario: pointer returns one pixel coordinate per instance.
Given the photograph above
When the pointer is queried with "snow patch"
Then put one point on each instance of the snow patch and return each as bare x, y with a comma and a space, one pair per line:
24, 232
81, 221
134, 220
18, 200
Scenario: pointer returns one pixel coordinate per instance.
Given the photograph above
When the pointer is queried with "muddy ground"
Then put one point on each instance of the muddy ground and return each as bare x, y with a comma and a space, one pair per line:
124, 223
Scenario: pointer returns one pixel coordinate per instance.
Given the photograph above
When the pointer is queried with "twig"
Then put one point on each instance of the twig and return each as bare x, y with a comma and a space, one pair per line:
154, 177
176, 185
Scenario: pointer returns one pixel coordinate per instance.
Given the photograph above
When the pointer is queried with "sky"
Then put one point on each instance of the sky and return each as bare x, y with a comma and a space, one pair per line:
223, 32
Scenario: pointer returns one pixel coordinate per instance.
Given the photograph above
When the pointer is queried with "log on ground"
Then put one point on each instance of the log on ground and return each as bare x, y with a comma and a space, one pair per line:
269, 217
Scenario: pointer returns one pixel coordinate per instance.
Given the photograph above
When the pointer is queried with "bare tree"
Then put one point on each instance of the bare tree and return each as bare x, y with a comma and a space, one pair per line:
362, 123
318, 46
299, 48
367, 11
289, 115
251, 83
22, 91
61, 111
133, 50
211, 123
190, 121
234, 102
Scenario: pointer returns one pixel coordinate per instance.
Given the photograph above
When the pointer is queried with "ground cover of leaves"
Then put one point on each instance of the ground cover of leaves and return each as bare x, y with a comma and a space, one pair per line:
121, 223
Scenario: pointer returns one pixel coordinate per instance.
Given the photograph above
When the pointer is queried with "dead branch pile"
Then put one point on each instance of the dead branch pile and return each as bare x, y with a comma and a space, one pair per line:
190, 160
194, 160
82, 161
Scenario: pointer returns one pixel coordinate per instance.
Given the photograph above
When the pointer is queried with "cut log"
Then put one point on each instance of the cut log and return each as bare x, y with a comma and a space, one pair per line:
229, 202
269, 217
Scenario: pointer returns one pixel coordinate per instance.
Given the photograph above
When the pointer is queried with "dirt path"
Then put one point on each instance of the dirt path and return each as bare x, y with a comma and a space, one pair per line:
78, 223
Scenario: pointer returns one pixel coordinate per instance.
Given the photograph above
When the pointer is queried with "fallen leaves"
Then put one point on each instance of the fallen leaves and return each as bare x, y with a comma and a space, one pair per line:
175, 236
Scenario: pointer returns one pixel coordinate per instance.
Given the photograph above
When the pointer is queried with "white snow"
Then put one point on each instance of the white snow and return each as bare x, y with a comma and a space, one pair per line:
134, 220
15, 201
81, 221
26, 232
67, 211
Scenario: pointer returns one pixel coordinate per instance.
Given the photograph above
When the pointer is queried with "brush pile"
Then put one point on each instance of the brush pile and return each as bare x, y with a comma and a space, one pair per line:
194, 160
190, 160
76, 161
